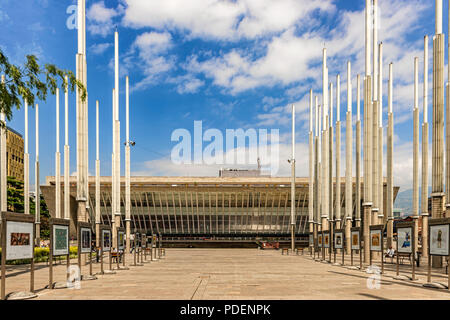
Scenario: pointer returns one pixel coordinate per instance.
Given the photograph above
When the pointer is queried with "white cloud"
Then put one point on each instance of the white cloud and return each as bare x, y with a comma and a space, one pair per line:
186, 84
101, 18
222, 19
99, 48
151, 48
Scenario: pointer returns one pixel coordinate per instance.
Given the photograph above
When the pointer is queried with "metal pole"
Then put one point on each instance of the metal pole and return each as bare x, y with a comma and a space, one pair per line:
425, 139
26, 167
293, 183
37, 186
97, 175
57, 163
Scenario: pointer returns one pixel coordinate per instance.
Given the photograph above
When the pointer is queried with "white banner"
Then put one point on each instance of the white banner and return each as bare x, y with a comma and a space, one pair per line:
439, 240
19, 241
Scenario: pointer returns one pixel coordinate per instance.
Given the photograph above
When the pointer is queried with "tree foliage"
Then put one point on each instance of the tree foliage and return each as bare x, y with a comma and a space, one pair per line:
16, 204
32, 82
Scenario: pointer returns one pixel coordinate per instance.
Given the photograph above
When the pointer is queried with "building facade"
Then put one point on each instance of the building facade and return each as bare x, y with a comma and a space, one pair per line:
14, 154
201, 206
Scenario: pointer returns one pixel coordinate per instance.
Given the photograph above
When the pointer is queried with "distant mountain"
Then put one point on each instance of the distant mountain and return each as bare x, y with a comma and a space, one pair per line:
404, 200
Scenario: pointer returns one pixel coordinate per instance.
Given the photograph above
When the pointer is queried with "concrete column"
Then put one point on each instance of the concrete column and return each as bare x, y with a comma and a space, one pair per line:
338, 153
425, 133
348, 162
375, 176
416, 153
358, 152
37, 185
26, 166
97, 176
438, 127
367, 202
81, 111
127, 170
390, 153
57, 163
66, 154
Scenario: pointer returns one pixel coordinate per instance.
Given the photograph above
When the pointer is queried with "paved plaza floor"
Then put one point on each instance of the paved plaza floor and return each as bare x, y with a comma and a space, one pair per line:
232, 274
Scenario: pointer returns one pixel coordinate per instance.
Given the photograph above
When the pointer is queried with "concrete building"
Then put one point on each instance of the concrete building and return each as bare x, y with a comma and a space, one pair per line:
202, 206
14, 154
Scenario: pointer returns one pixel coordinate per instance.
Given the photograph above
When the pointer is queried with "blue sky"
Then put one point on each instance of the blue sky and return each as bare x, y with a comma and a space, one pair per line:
231, 64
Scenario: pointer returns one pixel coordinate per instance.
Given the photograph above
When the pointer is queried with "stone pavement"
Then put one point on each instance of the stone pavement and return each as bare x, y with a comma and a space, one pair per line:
231, 274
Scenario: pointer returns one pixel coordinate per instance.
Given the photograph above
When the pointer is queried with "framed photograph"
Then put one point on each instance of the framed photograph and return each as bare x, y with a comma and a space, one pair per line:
338, 240
121, 239
375, 240
439, 240
86, 236
404, 238
319, 240
326, 240
60, 240
138, 240
106, 240
355, 240
19, 241
143, 240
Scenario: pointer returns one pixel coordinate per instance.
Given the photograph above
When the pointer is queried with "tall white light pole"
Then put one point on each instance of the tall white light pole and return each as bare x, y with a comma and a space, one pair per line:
381, 218
293, 182
358, 151
367, 152
3, 162
348, 162
416, 153
57, 163
425, 137
127, 170
97, 176
26, 166
389, 167
338, 152
66, 154
37, 185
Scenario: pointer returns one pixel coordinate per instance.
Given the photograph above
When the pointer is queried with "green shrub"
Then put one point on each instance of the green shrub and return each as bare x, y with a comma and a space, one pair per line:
42, 255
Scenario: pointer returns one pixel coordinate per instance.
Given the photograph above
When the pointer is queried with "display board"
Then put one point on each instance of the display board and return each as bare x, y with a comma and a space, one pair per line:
60, 240
439, 239
86, 239
319, 240
121, 239
19, 242
355, 239
143, 240
375, 240
338, 239
154, 241
404, 239
138, 239
106, 240
326, 239
311, 239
